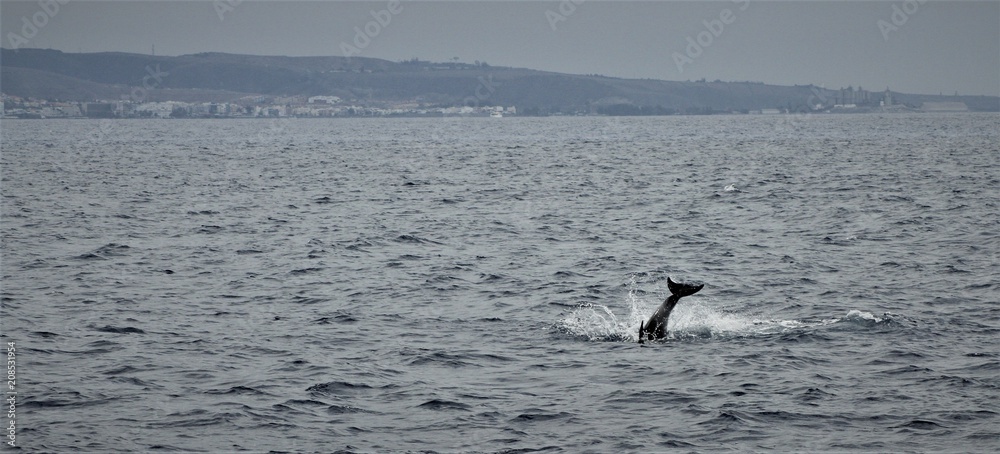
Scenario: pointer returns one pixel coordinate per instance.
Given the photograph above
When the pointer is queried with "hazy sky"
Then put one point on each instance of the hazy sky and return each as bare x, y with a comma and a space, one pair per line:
911, 46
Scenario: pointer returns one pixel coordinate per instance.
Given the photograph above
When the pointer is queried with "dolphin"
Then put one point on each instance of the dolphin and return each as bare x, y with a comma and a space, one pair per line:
656, 327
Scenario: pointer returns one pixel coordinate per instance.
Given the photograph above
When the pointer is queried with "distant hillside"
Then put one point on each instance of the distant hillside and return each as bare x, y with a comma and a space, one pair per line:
50, 74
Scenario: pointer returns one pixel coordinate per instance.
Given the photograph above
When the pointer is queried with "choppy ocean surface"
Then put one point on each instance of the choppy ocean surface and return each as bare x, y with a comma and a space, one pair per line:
476, 285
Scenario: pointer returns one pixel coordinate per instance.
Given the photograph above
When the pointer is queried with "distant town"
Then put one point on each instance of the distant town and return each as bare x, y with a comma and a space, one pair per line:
848, 100
250, 107
45, 83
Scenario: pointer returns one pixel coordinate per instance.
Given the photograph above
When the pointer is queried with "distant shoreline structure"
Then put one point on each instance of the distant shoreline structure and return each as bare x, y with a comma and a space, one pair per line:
36, 115
39, 83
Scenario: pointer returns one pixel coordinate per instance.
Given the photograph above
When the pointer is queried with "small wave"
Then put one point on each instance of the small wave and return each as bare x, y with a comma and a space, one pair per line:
340, 318
68, 399
540, 415
130, 381
444, 405
303, 403
344, 409
486, 278
120, 330
121, 370
209, 229
724, 420
104, 252
413, 239
921, 424
343, 388
441, 359
238, 390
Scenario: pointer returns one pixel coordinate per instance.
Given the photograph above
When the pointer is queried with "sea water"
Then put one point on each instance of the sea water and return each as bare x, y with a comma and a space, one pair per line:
476, 284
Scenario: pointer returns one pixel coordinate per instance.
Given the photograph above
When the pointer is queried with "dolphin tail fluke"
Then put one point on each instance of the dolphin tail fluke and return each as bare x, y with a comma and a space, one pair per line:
682, 290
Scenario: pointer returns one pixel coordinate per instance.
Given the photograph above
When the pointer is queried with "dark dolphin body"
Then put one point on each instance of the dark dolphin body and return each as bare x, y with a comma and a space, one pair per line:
656, 327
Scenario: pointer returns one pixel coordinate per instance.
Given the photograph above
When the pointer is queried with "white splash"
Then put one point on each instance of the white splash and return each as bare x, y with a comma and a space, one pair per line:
866, 318
694, 317
854, 313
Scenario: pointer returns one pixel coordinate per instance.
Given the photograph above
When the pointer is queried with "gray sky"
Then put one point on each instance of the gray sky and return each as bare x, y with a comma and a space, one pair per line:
911, 46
